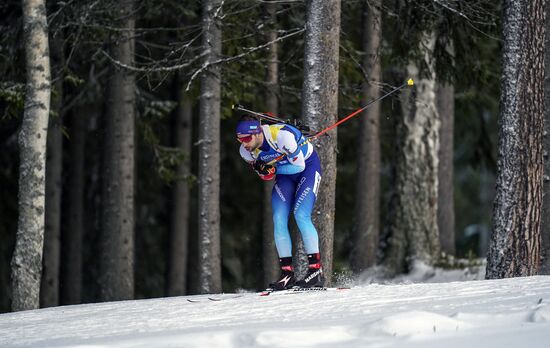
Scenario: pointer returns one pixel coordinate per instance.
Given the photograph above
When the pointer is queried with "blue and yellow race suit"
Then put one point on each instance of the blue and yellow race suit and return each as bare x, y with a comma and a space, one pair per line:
296, 183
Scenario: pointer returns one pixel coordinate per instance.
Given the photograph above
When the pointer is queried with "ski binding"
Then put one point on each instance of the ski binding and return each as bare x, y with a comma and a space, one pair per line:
298, 290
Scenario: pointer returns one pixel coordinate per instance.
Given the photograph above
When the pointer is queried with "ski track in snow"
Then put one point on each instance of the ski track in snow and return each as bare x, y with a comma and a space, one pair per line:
486, 313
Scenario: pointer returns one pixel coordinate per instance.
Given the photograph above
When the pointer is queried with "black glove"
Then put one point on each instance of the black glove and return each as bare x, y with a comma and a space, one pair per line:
262, 168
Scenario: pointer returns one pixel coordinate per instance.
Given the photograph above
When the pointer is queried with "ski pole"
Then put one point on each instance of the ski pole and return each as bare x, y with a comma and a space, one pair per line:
409, 82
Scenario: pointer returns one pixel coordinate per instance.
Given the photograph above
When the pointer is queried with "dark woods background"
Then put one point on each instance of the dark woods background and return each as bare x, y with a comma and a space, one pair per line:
167, 49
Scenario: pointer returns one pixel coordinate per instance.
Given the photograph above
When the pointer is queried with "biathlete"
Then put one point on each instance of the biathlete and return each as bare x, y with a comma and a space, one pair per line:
297, 178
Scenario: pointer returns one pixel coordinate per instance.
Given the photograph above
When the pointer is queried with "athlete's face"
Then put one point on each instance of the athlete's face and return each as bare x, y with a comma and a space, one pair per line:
250, 141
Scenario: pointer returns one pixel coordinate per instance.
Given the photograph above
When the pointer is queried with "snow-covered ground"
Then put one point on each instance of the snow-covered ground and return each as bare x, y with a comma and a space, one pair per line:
490, 314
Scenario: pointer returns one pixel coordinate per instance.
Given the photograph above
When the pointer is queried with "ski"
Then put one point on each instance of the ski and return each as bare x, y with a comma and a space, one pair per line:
218, 298
294, 290
298, 290
215, 299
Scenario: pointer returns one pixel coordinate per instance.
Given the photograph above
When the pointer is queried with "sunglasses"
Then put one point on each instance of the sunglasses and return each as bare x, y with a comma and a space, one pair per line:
245, 139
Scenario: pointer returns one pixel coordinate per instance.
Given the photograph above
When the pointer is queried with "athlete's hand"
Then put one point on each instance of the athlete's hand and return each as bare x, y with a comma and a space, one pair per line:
263, 168
270, 174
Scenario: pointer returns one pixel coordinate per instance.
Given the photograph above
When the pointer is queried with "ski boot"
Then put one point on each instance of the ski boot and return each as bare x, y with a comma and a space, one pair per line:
286, 280
314, 276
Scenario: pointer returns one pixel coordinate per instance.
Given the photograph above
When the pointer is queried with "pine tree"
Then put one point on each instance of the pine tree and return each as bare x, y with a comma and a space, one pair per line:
269, 253
545, 223
72, 238
367, 210
209, 152
516, 239
320, 107
179, 239
414, 233
445, 205
117, 240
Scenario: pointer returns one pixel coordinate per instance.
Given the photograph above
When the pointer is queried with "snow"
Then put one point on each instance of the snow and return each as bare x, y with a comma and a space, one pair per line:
481, 313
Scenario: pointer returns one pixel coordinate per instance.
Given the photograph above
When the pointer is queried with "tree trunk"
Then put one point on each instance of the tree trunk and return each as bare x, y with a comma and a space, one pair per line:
94, 164
545, 230
209, 153
367, 209
414, 235
117, 242
270, 259
320, 107
71, 268
27, 256
445, 205
177, 279
516, 239
49, 290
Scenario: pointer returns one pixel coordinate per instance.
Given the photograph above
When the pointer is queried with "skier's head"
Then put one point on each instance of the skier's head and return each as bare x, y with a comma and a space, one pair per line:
249, 132
248, 125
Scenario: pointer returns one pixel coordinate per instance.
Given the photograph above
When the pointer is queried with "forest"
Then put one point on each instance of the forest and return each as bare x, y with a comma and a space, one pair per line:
120, 169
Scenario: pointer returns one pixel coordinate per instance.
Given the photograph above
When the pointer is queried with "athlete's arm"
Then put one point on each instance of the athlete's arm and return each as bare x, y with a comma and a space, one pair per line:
289, 146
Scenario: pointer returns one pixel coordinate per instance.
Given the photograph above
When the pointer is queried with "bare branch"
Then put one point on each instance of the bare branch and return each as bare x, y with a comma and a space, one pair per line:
280, 1
445, 5
247, 52
149, 70
473, 11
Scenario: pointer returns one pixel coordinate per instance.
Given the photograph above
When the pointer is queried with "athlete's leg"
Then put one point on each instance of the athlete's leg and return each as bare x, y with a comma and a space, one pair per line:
306, 194
282, 198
